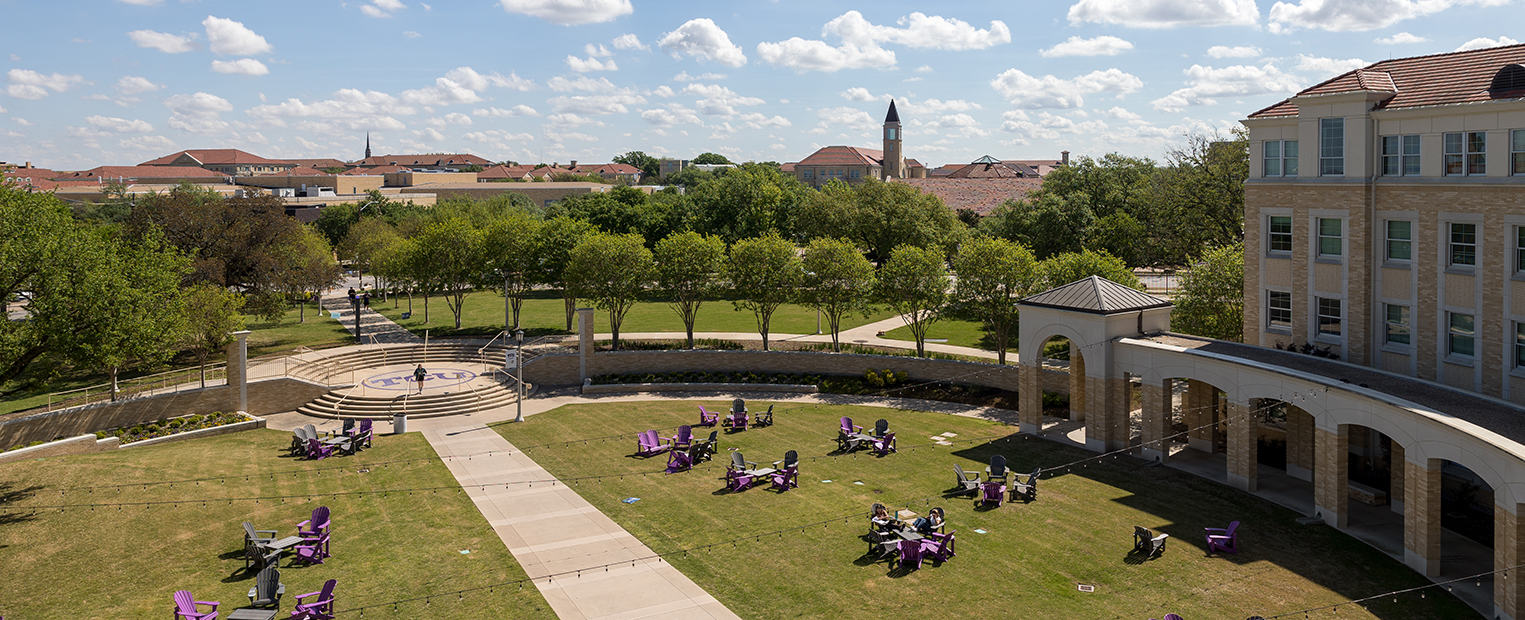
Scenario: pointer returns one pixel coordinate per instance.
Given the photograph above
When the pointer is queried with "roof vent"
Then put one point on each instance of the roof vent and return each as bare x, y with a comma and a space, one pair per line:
1511, 77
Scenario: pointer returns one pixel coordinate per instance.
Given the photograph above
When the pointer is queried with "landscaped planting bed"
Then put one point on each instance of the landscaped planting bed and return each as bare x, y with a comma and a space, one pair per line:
887, 382
173, 426
1028, 563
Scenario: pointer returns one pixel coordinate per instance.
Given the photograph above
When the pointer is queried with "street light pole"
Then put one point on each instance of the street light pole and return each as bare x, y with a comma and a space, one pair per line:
355, 304
519, 368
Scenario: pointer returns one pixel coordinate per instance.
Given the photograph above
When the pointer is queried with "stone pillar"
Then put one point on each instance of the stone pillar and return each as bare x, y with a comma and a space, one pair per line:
1300, 461
1397, 472
1107, 415
1030, 397
584, 342
1331, 475
1508, 534
1421, 517
1156, 432
1243, 446
238, 368
1199, 415
1078, 395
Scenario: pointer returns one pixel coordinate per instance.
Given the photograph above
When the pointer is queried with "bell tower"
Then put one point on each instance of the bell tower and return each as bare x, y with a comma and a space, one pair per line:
894, 160
367, 145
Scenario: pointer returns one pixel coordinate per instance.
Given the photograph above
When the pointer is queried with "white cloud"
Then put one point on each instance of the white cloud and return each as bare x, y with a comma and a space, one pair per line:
1224, 51
198, 113
518, 110
630, 42
701, 38
1357, 15
1205, 83
118, 125
962, 125
28, 84
497, 137
382, 8
1047, 127
763, 121
1481, 42
19, 121
163, 41
1327, 67
231, 38
142, 2
570, 12
685, 77
242, 66
1124, 115
569, 119
1099, 46
409, 34
937, 106
859, 93
134, 85
595, 104
662, 91
1025, 91
453, 118
860, 42
838, 118
581, 65
672, 114
1165, 13
924, 69
1401, 38
582, 83
349, 110
460, 85
597, 51
802, 55
428, 133
158, 144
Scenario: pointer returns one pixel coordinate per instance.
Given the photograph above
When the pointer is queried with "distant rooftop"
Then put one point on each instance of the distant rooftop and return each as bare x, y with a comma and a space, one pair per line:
1473, 76
1095, 295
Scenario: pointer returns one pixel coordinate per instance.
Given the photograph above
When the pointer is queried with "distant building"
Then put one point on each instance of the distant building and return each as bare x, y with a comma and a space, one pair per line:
613, 173
435, 161
325, 163
307, 178
988, 167
853, 164
230, 162
147, 174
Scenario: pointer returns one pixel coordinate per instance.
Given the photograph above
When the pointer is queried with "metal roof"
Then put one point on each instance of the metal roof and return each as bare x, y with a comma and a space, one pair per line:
1095, 295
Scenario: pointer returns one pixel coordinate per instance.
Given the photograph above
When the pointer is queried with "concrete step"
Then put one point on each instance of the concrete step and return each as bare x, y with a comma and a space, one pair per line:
416, 407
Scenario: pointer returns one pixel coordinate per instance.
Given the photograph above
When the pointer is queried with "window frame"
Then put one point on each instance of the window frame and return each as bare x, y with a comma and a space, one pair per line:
1272, 245
1324, 316
1458, 150
1331, 146
1404, 324
1452, 245
1389, 240
1519, 344
1519, 248
1517, 152
1285, 161
1337, 240
1403, 161
1272, 309
1455, 335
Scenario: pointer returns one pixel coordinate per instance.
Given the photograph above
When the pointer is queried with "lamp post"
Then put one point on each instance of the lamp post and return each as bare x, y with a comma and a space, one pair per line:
354, 302
519, 368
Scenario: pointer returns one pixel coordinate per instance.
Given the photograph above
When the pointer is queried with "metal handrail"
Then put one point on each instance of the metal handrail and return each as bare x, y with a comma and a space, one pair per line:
128, 389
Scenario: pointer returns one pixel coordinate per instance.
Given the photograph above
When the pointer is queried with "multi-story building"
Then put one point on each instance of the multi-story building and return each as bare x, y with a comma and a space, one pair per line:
853, 164
433, 161
231, 162
1385, 219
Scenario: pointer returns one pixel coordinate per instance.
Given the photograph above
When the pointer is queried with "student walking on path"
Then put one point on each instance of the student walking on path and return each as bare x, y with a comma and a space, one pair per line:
418, 377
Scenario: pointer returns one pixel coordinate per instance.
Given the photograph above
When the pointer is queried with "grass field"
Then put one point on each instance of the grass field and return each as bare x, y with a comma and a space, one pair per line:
128, 562
1027, 564
483, 316
957, 333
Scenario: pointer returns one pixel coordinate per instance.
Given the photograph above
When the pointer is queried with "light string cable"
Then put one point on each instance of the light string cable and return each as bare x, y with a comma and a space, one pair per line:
1395, 593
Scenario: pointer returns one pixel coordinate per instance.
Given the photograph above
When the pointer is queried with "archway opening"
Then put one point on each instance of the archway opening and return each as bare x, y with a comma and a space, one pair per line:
1062, 371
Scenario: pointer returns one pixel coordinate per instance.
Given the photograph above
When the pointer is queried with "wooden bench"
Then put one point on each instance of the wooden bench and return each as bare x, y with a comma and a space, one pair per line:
1367, 495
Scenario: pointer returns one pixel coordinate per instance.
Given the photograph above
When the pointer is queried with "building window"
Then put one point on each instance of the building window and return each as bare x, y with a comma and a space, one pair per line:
1329, 317
1466, 153
1278, 310
1461, 335
1519, 248
1330, 242
1517, 151
1400, 240
1331, 147
1464, 244
1400, 156
856, 173
1280, 158
1398, 325
1281, 234
808, 174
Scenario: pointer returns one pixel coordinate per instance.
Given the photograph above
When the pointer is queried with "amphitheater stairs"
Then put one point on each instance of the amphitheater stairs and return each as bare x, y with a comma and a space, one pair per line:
345, 370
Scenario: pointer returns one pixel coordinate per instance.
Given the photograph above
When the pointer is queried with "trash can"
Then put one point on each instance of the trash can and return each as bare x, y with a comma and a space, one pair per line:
399, 423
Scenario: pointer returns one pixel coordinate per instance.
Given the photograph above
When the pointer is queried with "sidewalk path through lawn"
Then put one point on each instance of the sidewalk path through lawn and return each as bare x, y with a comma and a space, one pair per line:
372, 323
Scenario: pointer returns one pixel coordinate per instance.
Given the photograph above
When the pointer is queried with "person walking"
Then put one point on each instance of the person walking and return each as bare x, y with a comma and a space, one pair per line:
418, 377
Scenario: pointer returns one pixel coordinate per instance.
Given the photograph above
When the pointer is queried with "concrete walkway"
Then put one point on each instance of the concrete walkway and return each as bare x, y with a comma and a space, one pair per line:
867, 335
372, 323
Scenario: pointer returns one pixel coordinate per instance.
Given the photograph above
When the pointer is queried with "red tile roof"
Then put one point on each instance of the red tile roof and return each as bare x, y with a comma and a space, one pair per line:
303, 172
843, 156
376, 171
981, 195
607, 169
143, 172
789, 167
1439, 79
319, 164
216, 156
1000, 170
435, 159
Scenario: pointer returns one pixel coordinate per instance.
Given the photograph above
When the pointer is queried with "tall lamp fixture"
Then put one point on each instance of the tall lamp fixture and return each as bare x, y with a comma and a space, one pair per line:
519, 368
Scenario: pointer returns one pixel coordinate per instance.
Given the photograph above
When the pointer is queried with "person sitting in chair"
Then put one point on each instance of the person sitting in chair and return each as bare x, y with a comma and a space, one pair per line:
930, 523
881, 519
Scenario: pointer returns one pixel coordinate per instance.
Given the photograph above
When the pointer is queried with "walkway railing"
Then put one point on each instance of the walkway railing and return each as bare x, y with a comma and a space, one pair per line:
168, 382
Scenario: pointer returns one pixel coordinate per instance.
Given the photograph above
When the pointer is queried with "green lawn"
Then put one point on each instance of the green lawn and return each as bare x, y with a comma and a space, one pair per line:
127, 563
1028, 563
318, 330
483, 316
958, 333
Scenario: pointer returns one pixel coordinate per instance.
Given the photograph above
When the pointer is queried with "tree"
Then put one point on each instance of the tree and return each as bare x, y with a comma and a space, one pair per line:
914, 283
1211, 302
689, 177
649, 166
880, 216
1057, 271
212, 314
838, 280
365, 241
687, 266
1199, 197
313, 268
710, 159
764, 273
447, 256
993, 274
553, 249
133, 291
1048, 223
509, 255
750, 201
612, 270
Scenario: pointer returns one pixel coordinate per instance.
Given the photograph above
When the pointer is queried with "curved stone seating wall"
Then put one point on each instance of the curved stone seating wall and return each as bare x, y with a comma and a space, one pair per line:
340, 367
634, 388
335, 365
563, 369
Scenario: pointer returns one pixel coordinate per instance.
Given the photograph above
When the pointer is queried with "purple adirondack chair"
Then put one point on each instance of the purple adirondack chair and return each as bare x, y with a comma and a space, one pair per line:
312, 550
788, 474
186, 607
939, 546
681, 460
1227, 541
845, 434
322, 605
738, 476
1172, 617
737, 418
362, 435
684, 438
992, 491
884, 445
316, 525
910, 555
706, 418
316, 450
649, 444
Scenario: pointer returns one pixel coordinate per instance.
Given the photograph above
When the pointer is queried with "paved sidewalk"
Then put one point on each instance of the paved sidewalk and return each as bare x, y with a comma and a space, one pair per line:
862, 335
372, 323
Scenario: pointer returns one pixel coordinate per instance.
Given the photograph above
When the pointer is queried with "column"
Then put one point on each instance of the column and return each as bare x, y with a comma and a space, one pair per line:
1508, 533
1030, 397
1243, 446
1397, 472
584, 342
238, 368
1078, 396
1300, 426
1199, 415
1421, 517
1106, 417
1331, 474
1156, 432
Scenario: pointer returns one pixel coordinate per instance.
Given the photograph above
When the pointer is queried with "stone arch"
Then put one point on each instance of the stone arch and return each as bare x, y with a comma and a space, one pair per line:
1030, 346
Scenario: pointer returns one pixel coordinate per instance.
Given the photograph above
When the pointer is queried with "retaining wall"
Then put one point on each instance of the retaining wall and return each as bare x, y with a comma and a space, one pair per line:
562, 370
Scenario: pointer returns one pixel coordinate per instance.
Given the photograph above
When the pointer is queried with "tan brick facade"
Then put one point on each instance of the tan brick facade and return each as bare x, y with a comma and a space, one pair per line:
1243, 447
1508, 534
1421, 517
1331, 476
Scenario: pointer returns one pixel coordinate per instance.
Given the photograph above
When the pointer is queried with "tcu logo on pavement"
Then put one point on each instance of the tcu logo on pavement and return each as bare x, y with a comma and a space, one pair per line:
403, 379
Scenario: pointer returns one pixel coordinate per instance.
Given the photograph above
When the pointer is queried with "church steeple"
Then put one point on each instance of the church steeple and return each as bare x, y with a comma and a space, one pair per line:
893, 166
368, 144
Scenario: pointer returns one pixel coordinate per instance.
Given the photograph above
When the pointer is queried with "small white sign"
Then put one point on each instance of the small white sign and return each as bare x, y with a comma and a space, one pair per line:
510, 360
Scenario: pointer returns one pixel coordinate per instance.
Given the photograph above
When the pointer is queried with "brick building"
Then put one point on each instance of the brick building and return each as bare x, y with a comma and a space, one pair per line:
853, 164
1385, 219
230, 162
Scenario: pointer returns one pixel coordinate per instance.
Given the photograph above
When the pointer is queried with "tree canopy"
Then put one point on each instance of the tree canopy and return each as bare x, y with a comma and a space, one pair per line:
612, 270
1211, 302
688, 265
838, 280
764, 273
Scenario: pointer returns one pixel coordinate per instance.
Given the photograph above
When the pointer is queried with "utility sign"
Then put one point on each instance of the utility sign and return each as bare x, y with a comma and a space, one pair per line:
510, 360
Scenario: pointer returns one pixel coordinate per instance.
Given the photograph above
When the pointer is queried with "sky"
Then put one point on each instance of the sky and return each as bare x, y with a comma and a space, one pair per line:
119, 82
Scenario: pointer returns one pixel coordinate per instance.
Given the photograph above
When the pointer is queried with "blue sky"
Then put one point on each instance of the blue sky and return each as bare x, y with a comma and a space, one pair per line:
95, 82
